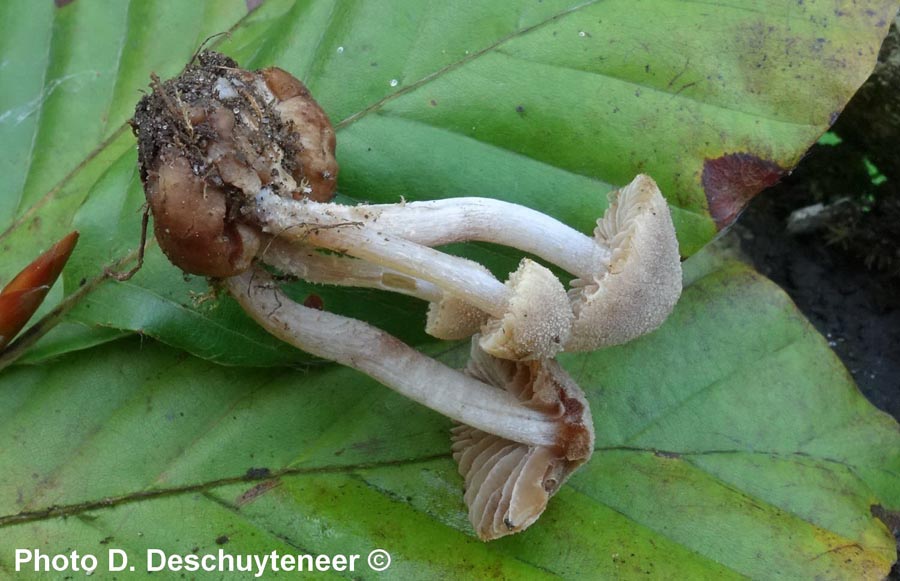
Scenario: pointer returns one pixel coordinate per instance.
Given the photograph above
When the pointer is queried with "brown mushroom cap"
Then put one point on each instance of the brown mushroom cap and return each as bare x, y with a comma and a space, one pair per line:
209, 140
643, 281
452, 319
538, 318
314, 158
508, 484
190, 224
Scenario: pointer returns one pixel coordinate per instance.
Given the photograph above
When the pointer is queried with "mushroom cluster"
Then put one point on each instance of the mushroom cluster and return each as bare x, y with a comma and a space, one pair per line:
238, 168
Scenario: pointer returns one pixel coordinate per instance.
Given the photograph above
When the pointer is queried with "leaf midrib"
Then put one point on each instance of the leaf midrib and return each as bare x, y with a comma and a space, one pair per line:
55, 511
459, 63
150, 493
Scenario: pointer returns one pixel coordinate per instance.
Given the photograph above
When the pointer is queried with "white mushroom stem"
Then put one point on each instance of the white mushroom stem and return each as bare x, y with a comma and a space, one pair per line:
310, 224
448, 317
313, 266
440, 222
531, 317
392, 362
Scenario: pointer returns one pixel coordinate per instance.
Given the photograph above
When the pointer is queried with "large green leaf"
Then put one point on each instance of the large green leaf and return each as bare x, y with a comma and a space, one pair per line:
543, 103
730, 442
719, 453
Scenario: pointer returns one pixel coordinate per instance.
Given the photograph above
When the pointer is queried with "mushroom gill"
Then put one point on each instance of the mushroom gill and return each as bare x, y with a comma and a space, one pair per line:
508, 484
642, 283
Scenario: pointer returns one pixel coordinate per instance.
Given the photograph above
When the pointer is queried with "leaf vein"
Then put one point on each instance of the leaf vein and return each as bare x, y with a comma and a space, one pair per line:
456, 64
673, 94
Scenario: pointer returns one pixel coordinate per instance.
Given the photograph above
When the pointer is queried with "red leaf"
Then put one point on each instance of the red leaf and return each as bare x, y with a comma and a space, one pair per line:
731, 181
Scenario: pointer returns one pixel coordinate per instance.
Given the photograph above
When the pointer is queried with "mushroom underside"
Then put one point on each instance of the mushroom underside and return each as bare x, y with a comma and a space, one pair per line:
508, 484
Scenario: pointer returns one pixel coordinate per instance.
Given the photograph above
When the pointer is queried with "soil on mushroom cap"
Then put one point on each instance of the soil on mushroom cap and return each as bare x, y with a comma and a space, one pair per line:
160, 119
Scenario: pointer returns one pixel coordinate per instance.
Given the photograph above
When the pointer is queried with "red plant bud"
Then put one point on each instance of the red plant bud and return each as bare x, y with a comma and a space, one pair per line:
24, 294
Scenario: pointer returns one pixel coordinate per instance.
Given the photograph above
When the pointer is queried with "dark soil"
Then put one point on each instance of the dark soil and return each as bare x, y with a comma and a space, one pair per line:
175, 115
844, 271
856, 308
